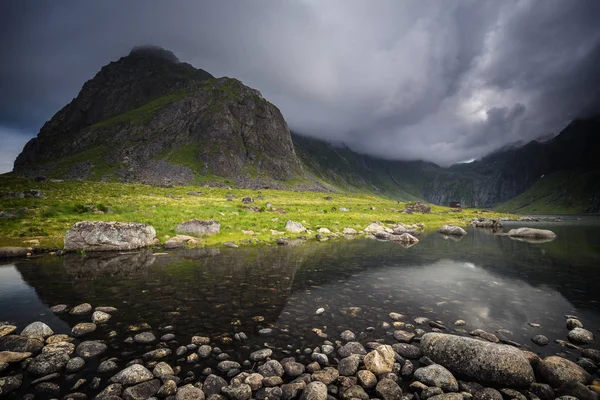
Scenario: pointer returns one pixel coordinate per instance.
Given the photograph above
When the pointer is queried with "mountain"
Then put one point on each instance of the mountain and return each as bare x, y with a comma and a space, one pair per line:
557, 175
152, 119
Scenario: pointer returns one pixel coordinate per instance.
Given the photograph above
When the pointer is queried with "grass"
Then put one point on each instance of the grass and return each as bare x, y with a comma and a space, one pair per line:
47, 220
562, 192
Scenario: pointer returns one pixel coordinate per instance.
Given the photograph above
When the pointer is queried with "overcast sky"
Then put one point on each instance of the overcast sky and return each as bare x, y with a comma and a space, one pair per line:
444, 81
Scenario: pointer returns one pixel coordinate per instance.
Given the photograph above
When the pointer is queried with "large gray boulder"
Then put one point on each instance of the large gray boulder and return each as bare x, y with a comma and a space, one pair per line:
294, 227
108, 236
198, 227
531, 233
452, 230
480, 361
12, 251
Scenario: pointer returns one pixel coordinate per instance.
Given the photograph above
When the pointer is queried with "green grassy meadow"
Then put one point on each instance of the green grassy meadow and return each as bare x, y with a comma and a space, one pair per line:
46, 220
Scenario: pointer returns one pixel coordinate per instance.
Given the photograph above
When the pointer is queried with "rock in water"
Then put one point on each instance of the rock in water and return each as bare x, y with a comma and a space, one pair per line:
480, 361
12, 251
37, 329
133, 375
556, 370
452, 230
107, 236
198, 227
532, 233
580, 335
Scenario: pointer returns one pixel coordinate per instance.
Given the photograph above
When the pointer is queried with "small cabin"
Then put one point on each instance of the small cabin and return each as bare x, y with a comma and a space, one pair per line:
455, 204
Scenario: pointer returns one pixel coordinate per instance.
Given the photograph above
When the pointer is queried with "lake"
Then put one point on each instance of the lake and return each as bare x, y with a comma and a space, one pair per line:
494, 283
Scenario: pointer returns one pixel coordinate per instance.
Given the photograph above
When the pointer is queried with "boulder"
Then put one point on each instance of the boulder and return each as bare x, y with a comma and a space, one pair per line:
372, 228
13, 356
108, 236
91, 349
476, 360
189, 392
452, 230
531, 233
580, 335
198, 227
37, 329
180, 241
11, 251
405, 238
20, 344
48, 363
556, 370
294, 227
349, 231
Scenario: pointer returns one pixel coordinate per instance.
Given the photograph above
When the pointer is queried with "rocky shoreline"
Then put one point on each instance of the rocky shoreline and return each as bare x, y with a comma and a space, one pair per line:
415, 360
91, 236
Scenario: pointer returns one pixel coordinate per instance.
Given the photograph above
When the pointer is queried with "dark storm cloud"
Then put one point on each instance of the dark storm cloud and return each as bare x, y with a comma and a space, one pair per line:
441, 81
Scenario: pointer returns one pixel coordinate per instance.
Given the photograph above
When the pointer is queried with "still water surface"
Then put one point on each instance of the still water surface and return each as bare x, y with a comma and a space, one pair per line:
492, 282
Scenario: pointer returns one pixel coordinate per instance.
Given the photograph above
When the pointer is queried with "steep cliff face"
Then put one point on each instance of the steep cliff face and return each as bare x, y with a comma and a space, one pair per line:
557, 175
152, 119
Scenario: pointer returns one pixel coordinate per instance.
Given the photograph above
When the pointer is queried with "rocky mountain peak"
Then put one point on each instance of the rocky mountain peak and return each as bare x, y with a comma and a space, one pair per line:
153, 52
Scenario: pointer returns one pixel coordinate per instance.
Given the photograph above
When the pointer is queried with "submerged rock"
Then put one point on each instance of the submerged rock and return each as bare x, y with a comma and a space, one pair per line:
20, 344
452, 230
11, 251
531, 233
476, 360
108, 236
132, 375
580, 335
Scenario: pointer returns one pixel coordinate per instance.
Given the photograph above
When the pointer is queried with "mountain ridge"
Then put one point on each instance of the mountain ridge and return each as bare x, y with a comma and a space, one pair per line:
150, 118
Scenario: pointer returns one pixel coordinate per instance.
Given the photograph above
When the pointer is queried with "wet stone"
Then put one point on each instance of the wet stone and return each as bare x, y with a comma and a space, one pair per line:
349, 365
430, 392
132, 375
213, 385
107, 366
9, 384
387, 389
13, 356
488, 394
315, 391
83, 328
293, 369
81, 309
142, 391
355, 392
327, 375
48, 387
351, 348
237, 391
380, 361
7, 329
573, 323
37, 329
261, 355
348, 336
436, 375
59, 309
64, 347
580, 335
167, 337
18, 343
408, 350
162, 369
320, 358
225, 366
540, 340
156, 354
366, 379
271, 368
144, 338
169, 388
556, 370
200, 340
272, 381
75, 364
48, 363
403, 336
542, 390
106, 309
100, 317
204, 351
91, 349
114, 389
